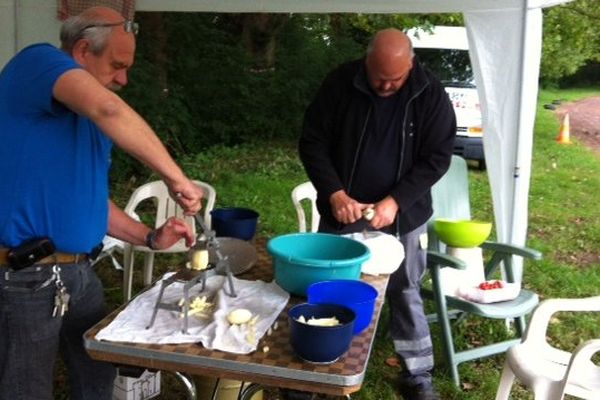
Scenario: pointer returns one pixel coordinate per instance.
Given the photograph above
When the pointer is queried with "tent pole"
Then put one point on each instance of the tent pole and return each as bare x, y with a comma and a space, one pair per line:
16, 26
517, 159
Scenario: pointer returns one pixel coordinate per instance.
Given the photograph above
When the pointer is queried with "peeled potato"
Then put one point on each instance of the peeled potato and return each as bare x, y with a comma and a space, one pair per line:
368, 214
200, 259
239, 316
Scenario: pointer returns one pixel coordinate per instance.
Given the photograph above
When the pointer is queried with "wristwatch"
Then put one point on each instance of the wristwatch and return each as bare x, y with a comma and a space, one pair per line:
151, 239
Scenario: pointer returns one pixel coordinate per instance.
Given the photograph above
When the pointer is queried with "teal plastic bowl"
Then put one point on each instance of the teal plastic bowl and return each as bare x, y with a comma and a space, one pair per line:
301, 259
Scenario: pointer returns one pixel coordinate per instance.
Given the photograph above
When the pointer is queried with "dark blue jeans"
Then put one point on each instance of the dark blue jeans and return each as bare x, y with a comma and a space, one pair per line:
30, 338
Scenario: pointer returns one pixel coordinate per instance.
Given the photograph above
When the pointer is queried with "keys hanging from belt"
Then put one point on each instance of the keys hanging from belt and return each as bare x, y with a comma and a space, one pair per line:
61, 297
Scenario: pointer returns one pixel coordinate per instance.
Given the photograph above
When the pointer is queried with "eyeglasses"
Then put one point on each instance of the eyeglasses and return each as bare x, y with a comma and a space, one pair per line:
128, 25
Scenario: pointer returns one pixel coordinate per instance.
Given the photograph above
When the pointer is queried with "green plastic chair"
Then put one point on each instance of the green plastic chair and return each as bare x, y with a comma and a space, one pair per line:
451, 200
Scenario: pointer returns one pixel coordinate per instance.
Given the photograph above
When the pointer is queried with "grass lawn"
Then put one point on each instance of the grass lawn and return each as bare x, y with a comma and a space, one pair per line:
564, 223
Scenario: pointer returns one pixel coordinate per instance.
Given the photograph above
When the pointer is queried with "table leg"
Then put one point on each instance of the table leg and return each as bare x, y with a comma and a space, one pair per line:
250, 391
189, 384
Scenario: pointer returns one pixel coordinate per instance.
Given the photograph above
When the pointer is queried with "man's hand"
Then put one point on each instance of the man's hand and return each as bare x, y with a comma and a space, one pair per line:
385, 213
345, 209
171, 232
188, 195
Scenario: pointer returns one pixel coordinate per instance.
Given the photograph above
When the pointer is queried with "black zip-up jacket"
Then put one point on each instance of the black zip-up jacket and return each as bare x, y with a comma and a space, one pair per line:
336, 121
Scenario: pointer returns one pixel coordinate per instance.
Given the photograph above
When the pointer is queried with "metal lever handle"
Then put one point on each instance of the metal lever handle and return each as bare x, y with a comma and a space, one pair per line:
200, 222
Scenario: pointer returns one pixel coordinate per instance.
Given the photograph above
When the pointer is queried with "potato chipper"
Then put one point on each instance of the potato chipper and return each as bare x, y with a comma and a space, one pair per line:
206, 241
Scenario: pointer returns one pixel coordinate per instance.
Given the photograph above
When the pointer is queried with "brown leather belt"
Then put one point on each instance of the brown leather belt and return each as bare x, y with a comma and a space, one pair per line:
58, 258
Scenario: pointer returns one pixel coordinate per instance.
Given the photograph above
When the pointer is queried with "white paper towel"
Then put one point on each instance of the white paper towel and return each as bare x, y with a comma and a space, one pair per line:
266, 300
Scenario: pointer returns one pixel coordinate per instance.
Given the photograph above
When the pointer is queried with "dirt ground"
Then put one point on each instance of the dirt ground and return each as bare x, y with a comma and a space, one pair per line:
584, 118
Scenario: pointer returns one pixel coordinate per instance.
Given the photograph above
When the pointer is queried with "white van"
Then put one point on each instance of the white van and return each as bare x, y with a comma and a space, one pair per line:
445, 51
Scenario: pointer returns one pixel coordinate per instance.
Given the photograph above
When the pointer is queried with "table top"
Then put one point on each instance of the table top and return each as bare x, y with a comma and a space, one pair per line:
279, 366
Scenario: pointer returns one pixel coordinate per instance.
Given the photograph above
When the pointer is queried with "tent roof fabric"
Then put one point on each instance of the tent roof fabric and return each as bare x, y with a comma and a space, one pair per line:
348, 6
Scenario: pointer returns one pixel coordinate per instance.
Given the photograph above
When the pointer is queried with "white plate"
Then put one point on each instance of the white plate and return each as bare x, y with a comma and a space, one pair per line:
387, 253
240, 254
509, 291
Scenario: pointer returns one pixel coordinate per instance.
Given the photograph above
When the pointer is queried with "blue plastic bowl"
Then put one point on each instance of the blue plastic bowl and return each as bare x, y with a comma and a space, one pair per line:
355, 294
301, 259
321, 344
234, 222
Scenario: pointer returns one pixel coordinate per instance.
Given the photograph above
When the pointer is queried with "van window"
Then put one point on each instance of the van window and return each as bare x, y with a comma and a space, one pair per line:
451, 66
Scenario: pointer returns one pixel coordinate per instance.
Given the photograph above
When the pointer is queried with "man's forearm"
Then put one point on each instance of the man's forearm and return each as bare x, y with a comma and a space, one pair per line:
124, 227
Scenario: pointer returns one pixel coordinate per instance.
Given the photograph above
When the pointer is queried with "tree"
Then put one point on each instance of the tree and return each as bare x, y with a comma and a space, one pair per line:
570, 39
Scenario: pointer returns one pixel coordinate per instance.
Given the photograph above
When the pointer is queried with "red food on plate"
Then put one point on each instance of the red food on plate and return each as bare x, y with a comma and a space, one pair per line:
488, 285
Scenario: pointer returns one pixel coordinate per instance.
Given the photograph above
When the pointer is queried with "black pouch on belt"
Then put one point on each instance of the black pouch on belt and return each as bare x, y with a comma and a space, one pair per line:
29, 253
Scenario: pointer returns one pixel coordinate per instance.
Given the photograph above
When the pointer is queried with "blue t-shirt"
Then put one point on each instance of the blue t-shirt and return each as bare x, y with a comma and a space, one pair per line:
53, 163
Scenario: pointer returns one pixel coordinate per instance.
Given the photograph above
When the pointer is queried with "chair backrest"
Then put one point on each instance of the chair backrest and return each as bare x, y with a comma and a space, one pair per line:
450, 196
306, 191
210, 197
166, 207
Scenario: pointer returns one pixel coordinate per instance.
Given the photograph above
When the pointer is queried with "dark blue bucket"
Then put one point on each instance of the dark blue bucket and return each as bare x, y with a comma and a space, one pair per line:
321, 344
359, 296
234, 222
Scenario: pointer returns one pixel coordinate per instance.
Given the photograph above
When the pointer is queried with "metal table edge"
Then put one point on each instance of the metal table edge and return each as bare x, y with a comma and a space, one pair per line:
227, 365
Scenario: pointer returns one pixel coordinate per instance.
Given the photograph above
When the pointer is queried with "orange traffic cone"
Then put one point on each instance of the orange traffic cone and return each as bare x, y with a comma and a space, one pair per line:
563, 135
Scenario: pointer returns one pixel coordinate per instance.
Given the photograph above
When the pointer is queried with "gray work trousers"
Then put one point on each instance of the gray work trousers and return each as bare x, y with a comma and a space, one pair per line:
408, 323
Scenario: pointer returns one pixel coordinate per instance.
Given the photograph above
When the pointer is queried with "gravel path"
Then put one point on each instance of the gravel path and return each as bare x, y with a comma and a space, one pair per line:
584, 121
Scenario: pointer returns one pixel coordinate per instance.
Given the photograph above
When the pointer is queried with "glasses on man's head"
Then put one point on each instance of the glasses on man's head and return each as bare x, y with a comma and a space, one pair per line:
129, 26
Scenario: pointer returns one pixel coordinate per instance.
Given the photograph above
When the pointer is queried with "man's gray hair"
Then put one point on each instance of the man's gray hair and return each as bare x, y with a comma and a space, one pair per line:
84, 27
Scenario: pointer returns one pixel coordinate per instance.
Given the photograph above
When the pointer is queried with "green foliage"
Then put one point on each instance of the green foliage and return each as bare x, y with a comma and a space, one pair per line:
194, 78
570, 39
260, 176
371, 23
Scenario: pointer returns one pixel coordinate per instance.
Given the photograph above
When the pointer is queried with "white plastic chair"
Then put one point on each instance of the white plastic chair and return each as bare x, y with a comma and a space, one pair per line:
549, 372
306, 191
166, 207
110, 246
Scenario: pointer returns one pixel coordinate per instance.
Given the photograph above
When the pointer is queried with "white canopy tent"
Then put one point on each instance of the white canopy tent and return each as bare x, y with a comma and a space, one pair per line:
505, 39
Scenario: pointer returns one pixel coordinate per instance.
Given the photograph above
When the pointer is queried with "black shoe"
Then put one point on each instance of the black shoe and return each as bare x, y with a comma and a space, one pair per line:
419, 392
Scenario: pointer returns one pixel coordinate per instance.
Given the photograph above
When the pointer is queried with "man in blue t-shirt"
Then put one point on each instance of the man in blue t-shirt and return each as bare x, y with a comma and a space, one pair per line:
59, 117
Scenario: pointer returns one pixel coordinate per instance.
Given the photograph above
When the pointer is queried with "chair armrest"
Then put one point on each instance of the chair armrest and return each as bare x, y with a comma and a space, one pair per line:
510, 249
503, 253
435, 260
544, 311
581, 361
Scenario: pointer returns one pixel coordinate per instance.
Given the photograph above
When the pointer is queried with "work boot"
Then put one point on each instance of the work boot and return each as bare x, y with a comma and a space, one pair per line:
419, 392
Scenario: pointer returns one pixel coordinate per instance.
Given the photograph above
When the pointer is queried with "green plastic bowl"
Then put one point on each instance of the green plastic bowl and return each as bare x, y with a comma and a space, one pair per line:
462, 233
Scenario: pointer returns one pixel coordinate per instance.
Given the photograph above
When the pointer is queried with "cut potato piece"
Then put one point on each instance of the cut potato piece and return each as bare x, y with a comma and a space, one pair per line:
332, 321
239, 316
